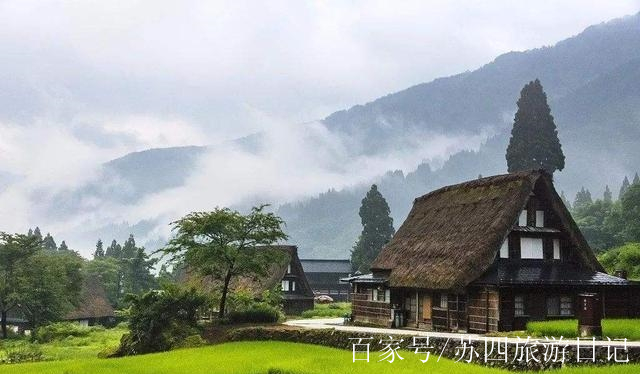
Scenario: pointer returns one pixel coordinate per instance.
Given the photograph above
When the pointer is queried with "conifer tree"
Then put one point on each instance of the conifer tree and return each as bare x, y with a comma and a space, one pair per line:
48, 243
377, 230
37, 233
636, 179
63, 246
114, 250
99, 250
624, 187
583, 199
607, 196
129, 249
534, 142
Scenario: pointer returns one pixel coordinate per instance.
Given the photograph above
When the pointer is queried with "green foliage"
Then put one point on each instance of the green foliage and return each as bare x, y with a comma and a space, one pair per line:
191, 341
630, 213
377, 230
568, 328
223, 244
22, 354
62, 330
624, 187
48, 243
328, 310
159, 320
583, 199
99, 250
626, 257
108, 270
256, 313
534, 140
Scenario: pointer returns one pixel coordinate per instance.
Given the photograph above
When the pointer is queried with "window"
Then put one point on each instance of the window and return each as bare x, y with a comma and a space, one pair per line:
444, 301
518, 306
293, 285
522, 220
531, 248
556, 249
285, 285
379, 295
387, 296
374, 294
504, 249
566, 306
539, 218
288, 269
559, 306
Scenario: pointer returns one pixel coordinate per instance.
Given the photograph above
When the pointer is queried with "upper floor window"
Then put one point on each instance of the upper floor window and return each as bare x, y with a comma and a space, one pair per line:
539, 218
504, 249
288, 285
288, 269
531, 248
522, 220
556, 249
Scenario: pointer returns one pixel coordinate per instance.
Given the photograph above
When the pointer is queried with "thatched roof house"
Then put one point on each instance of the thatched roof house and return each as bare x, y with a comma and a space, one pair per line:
94, 306
285, 271
485, 241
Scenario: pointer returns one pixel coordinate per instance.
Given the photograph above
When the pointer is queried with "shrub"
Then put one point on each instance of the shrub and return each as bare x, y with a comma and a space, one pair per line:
27, 353
62, 330
191, 341
160, 320
257, 313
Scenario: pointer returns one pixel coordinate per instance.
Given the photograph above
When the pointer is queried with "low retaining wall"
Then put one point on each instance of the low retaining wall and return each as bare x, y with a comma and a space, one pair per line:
449, 348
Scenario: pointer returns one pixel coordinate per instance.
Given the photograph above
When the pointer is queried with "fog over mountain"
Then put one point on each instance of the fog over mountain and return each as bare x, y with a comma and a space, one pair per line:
314, 173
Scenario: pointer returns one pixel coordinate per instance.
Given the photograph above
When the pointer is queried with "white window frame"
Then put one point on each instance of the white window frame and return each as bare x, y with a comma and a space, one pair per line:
293, 285
504, 249
556, 249
566, 306
285, 285
518, 306
531, 248
387, 295
522, 219
289, 269
539, 218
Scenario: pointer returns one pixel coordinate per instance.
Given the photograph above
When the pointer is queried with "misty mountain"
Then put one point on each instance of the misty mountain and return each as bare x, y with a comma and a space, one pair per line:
591, 81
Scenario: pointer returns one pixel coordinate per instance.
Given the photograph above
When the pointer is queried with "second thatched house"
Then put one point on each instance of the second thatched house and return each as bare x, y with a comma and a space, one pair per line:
94, 307
487, 255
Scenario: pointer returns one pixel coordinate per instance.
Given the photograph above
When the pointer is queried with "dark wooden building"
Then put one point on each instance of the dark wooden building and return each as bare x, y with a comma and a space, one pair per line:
487, 255
94, 307
324, 277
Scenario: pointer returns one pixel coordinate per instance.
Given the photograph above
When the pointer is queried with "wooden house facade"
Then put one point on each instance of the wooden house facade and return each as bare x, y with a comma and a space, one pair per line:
324, 277
487, 255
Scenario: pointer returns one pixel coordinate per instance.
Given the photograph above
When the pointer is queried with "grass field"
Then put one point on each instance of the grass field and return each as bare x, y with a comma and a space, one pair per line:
328, 310
268, 358
71, 347
612, 328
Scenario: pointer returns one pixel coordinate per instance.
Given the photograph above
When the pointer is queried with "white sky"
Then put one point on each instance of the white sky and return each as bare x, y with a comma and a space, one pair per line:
83, 82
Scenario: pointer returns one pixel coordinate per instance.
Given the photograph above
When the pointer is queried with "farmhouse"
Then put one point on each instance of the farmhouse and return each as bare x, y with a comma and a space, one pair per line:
486, 255
94, 307
324, 277
286, 271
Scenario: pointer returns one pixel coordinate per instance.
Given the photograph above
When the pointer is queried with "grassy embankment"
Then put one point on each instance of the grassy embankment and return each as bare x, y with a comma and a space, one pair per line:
270, 358
612, 328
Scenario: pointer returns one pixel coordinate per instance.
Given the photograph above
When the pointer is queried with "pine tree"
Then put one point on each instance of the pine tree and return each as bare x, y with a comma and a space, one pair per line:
624, 187
63, 246
114, 250
30, 232
534, 142
377, 230
607, 196
48, 243
583, 199
129, 249
99, 250
636, 179
37, 233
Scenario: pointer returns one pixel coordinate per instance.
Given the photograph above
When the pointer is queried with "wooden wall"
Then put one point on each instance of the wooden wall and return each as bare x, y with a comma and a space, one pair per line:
483, 310
370, 312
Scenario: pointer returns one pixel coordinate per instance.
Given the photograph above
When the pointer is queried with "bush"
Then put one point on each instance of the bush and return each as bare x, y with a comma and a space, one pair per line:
192, 341
612, 328
27, 353
328, 310
62, 330
257, 313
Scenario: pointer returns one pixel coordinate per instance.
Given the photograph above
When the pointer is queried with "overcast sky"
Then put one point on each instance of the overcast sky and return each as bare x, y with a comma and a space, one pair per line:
83, 82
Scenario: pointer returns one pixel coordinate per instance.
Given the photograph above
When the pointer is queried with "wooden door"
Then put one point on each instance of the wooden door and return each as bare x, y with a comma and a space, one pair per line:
426, 307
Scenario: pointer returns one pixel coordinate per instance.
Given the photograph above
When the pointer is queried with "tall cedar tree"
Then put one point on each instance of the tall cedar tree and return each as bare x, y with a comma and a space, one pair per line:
534, 140
377, 230
607, 197
224, 245
99, 250
624, 187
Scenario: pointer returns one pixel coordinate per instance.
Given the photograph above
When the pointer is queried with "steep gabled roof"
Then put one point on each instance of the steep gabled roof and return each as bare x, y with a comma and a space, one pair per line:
93, 302
452, 235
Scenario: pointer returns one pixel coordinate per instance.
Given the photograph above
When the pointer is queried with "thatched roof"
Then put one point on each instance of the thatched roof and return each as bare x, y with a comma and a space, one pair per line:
93, 302
452, 235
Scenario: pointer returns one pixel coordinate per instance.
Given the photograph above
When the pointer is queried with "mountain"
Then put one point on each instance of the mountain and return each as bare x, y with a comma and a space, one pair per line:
591, 81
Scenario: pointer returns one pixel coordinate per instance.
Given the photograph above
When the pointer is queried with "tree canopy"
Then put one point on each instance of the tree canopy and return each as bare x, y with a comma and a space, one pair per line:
224, 244
534, 142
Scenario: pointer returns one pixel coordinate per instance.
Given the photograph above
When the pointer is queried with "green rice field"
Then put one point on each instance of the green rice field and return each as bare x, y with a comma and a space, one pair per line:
612, 328
268, 358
